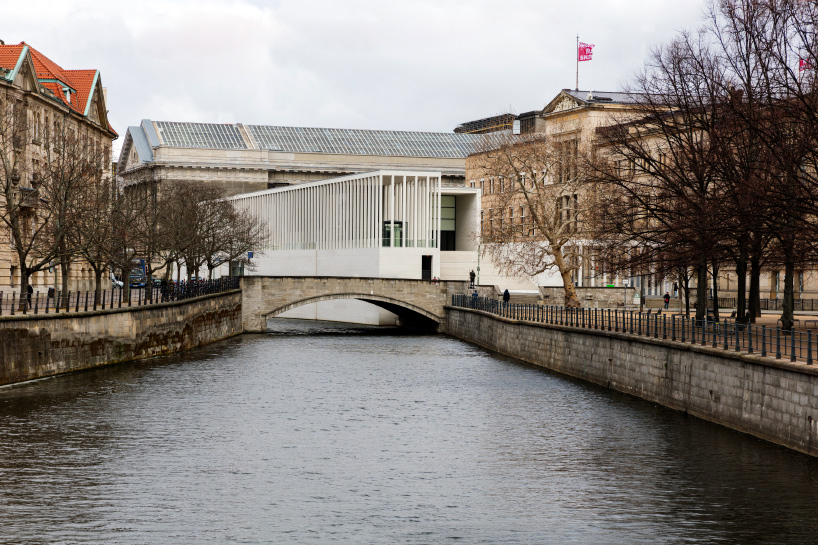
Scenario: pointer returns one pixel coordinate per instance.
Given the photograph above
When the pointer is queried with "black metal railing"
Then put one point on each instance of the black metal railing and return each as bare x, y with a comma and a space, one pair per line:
55, 301
794, 345
766, 304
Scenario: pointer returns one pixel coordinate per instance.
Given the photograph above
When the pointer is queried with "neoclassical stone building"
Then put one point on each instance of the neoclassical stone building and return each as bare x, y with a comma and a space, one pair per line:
42, 98
244, 158
573, 119
570, 121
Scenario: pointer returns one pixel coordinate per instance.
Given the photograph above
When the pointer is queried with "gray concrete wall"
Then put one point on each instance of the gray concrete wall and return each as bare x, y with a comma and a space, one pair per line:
45, 345
767, 398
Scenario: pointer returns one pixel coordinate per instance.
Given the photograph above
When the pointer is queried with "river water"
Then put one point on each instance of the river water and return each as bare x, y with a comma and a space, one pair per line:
364, 436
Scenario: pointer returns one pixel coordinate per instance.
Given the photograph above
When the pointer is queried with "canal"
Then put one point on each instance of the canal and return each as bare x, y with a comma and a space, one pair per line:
347, 435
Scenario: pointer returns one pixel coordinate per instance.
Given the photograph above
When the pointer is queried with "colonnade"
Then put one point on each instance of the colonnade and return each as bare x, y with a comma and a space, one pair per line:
368, 210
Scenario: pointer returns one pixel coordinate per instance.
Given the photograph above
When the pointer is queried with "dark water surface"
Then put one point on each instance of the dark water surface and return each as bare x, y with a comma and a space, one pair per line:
351, 437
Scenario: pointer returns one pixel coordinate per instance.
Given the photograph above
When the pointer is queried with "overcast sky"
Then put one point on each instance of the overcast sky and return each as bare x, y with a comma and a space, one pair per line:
368, 64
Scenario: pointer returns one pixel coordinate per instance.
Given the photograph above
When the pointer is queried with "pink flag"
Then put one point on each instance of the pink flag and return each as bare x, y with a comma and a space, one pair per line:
584, 51
804, 64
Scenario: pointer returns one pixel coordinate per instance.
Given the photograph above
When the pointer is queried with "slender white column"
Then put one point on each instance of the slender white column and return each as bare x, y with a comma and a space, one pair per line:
437, 210
380, 209
403, 211
415, 210
392, 212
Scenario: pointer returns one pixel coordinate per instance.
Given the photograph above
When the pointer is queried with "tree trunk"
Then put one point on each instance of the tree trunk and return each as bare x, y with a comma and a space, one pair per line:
755, 288
24, 278
741, 296
686, 280
148, 281
571, 299
97, 285
787, 311
65, 269
715, 291
701, 291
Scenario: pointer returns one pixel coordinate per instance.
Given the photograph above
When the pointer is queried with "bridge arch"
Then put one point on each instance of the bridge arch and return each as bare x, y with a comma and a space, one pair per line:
409, 314
417, 303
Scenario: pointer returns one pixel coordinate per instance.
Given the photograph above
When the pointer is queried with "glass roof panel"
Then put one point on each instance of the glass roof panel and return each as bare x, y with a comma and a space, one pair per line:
362, 142
200, 135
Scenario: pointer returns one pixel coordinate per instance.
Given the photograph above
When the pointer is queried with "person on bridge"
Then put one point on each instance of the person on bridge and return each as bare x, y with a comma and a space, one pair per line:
667, 299
506, 297
474, 299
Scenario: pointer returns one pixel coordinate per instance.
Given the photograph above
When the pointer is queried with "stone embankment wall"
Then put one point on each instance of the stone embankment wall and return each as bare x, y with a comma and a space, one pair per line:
764, 397
36, 346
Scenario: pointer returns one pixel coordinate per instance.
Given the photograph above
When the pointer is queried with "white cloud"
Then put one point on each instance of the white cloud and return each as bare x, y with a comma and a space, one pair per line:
398, 64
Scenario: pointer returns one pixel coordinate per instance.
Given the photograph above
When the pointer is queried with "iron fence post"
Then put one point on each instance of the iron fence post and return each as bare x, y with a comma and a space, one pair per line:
735, 328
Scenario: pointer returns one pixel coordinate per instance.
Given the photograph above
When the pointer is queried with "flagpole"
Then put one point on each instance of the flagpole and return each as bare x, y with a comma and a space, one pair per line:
577, 50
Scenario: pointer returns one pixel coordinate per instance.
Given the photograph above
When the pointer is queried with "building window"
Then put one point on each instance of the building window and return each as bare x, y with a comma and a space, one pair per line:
448, 208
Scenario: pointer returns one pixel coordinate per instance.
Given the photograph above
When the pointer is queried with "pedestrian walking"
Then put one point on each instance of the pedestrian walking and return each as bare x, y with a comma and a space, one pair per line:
506, 297
29, 293
667, 299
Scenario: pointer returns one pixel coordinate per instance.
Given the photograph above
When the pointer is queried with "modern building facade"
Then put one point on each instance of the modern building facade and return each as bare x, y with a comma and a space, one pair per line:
39, 100
381, 224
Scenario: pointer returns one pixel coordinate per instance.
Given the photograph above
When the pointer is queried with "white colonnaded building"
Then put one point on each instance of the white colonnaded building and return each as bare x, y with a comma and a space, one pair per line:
380, 224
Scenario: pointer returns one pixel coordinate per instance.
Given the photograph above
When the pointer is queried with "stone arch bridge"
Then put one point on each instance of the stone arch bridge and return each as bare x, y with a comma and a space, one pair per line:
417, 303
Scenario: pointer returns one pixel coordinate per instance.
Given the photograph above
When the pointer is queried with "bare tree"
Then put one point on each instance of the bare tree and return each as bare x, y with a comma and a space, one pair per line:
536, 196
242, 233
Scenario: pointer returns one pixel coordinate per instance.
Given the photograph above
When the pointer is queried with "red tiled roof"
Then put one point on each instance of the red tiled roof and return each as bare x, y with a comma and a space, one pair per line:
82, 80
79, 81
9, 55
